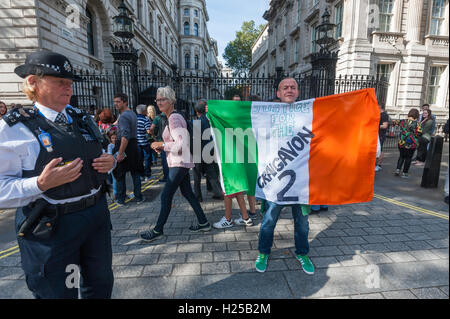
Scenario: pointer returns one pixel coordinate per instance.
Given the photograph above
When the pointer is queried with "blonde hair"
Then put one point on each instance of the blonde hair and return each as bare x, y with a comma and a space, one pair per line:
168, 93
30, 90
151, 112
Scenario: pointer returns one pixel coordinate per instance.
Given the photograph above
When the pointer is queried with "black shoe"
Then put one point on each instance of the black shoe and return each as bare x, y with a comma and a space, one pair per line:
446, 200
198, 228
313, 211
150, 235
325, 209
218, 197
252, 215
139, 201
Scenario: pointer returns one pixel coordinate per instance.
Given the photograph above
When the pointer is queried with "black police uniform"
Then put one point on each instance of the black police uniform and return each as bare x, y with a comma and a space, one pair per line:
56, 240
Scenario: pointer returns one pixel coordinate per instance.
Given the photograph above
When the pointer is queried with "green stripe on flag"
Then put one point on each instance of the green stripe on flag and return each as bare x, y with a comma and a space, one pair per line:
232, 123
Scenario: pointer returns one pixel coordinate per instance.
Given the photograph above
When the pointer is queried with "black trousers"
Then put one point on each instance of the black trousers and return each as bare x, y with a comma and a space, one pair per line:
212, 177
77, 257
405, 159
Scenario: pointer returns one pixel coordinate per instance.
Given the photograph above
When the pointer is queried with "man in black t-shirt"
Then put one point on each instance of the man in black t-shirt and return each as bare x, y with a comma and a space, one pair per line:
384, 124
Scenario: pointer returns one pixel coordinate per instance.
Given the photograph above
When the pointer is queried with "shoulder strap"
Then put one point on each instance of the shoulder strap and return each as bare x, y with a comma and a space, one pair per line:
17, 115
75, 112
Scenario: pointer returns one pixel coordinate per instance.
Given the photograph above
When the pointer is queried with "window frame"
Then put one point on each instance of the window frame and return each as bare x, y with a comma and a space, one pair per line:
338, 19
388, 15
90, 33
440, 19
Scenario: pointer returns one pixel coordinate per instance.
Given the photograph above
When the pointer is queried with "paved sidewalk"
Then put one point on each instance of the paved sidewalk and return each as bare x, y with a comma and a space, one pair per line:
370, 250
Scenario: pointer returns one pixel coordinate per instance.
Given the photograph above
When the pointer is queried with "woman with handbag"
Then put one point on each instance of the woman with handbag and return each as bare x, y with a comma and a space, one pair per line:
410, 130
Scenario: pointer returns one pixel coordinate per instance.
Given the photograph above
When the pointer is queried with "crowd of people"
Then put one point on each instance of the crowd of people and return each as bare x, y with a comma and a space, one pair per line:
63, 217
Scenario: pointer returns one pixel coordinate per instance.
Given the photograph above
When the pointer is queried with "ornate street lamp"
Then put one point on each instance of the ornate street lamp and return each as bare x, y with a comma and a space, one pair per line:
123, 29
123, 24
125, 55
325, 32
324, 61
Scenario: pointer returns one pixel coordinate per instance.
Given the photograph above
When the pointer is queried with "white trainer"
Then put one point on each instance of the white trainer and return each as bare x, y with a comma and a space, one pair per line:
223, 223
243, 222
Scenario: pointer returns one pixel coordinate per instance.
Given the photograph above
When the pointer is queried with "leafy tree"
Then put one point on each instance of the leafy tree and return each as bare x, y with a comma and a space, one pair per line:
238, 53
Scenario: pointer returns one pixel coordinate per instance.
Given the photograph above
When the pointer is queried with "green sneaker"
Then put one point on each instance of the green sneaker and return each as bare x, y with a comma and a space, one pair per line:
261, 263
307, 265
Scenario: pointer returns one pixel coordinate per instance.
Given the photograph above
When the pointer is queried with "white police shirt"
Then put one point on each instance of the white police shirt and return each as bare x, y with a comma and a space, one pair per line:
19, 151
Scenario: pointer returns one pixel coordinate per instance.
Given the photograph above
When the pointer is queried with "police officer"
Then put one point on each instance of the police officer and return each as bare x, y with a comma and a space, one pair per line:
53, 169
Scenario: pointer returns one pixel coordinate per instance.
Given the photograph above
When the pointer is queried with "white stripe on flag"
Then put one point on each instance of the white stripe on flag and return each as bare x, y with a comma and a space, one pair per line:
283, 150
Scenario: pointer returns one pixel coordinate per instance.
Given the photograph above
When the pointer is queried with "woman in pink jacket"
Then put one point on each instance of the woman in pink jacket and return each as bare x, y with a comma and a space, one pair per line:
176, 145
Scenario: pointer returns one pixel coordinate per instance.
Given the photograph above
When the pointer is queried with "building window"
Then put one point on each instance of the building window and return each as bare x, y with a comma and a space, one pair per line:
160, 35
196, 62
196, 13
299, 6
437, 17
384, 72
339, 14
187, 61
90, 33
386, 7
186, 12
186, 28
151, 22
433, 83
297, 50
313, 38
196, 29
139, 10
286, 24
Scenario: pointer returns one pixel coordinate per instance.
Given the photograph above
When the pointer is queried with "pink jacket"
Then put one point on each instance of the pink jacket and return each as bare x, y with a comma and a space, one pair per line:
176, 139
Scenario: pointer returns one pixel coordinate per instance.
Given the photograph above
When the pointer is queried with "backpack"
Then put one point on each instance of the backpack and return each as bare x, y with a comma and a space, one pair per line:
189, 128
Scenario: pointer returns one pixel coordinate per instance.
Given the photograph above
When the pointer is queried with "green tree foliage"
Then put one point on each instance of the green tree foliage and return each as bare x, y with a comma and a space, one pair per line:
238, 53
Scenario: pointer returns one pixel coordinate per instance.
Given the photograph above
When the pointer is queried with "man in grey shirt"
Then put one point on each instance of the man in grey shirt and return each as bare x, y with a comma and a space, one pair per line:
128, 155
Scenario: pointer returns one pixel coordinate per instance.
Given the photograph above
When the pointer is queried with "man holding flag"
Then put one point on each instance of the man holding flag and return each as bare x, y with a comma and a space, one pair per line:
288, 93
297, 154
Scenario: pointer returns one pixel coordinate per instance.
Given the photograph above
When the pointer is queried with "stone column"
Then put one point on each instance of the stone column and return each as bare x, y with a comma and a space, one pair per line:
414, 20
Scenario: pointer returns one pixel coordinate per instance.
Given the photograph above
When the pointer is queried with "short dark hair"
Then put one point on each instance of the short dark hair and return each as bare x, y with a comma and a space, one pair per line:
426, 104
200, 106
122, 96
254, 98
414, 113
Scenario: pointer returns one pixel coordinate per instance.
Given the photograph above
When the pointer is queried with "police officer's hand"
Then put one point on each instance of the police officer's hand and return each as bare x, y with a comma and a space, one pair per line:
104, 163
53, 175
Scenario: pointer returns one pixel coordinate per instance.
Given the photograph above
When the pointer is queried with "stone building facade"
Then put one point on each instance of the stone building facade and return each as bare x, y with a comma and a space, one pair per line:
405, 42
83, 31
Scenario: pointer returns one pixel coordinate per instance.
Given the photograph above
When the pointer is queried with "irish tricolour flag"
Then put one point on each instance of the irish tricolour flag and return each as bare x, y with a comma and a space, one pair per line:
318, 151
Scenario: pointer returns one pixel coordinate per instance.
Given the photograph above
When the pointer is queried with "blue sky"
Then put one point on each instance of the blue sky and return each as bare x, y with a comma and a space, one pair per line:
226, 17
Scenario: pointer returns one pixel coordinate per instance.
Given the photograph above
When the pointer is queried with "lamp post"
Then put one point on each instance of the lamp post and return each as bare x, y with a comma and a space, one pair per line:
324, 61
125, 55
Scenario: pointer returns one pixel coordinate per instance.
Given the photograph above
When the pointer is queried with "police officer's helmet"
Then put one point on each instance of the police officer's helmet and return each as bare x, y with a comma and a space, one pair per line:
47, 63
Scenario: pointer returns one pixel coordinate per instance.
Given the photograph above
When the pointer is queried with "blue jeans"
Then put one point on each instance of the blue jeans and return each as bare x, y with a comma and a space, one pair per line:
301, 228
164, 165
147, 156
178, 177
122, 187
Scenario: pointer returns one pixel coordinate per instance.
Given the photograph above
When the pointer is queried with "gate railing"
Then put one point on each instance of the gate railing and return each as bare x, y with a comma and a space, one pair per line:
97, 89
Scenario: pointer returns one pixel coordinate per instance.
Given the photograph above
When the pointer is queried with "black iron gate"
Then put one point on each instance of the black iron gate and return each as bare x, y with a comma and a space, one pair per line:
97, 89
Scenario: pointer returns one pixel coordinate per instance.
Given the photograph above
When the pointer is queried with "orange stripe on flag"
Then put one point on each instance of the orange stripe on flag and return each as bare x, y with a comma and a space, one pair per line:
343, 151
